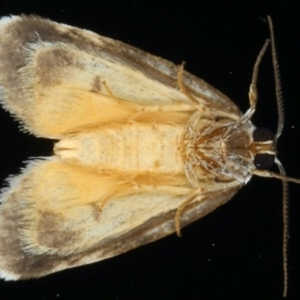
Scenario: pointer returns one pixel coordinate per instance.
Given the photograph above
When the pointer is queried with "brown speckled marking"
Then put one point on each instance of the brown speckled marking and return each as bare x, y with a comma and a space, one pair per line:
50, 233
96, 85
48, 61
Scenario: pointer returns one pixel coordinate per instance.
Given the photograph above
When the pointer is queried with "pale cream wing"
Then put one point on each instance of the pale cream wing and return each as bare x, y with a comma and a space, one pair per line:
50, 218
57, 79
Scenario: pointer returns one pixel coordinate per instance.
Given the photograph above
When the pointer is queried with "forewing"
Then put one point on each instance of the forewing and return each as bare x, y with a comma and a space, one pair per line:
50, 218
57, 79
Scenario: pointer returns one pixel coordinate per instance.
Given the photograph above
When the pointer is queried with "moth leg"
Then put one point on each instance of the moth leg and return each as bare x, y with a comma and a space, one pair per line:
179, 211
136, 115
183, 205
124, 190
106, 199
253, 94
182, 86
111, 94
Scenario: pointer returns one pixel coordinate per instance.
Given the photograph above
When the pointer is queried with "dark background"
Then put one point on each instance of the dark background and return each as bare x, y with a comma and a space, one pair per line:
235, 252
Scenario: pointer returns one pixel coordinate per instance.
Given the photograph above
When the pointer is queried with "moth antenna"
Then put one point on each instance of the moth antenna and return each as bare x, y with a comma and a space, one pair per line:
279, 99
281, 176
285, 232
285, 188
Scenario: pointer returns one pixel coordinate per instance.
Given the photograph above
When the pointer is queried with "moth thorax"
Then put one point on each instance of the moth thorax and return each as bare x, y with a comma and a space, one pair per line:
220, 150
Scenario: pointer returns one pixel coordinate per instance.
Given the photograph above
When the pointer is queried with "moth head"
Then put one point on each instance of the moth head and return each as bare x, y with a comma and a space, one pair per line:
227, 150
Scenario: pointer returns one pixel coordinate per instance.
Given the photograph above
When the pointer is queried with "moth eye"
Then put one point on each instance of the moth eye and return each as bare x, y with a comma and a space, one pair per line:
264, 161
222, 119
263, 134
218, 118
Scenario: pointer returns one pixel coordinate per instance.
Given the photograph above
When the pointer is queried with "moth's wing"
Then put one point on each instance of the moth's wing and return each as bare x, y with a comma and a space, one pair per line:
52, 79
50, 218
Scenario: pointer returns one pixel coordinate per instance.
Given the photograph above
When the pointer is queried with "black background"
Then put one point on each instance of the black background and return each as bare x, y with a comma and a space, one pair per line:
235, 252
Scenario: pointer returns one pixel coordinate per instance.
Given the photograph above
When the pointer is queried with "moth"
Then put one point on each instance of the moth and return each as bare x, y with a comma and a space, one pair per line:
143, 147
